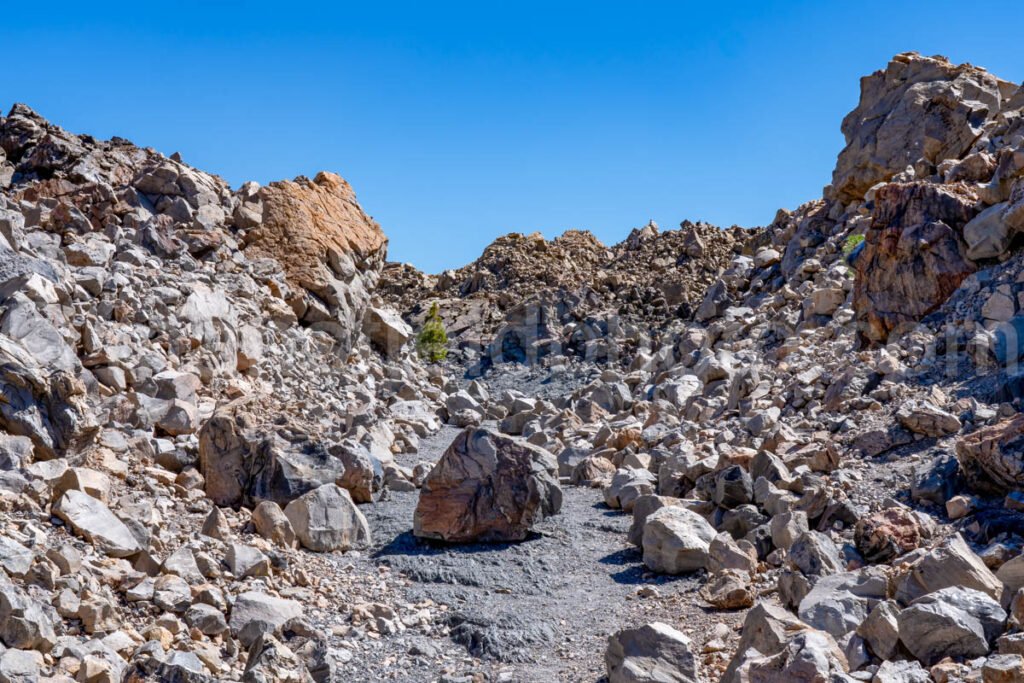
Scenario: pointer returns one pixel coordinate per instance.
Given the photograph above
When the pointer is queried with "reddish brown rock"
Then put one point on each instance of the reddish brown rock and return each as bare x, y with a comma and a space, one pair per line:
913, 257
887, 534
487, 487
992, 458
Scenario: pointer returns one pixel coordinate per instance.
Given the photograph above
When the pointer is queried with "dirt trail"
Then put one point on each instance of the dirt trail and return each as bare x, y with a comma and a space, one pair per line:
540, 610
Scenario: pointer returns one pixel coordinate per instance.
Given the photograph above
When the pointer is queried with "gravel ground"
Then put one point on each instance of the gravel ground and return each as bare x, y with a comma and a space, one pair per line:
540, 610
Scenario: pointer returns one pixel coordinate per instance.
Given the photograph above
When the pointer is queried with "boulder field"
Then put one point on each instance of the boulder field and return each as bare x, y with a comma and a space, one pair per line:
785, 452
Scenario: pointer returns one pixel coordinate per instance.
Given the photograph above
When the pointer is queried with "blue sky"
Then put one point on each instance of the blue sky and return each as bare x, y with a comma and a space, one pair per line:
459, 122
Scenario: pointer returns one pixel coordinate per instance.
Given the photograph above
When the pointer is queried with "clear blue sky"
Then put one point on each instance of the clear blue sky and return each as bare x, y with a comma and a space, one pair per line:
458, 122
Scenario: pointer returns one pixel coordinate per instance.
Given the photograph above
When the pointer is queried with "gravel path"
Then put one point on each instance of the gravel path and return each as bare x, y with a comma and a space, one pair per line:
540, 610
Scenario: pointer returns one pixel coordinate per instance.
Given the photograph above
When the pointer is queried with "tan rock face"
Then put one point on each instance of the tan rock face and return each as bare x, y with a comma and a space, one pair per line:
487, 487
328, 246
916, 112
914, 255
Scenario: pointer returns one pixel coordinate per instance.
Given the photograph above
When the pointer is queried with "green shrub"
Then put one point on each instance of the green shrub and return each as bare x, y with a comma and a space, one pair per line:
432, 342
852, 242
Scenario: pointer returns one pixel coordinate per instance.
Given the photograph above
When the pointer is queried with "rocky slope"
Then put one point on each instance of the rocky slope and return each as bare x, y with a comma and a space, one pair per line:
526, 297
786, 453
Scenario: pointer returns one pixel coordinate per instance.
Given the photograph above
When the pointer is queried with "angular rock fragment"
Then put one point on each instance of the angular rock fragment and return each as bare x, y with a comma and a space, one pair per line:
676, 540
992, 458
96, 523
326, 519
951, 622
487, 487
654, 653
917, 112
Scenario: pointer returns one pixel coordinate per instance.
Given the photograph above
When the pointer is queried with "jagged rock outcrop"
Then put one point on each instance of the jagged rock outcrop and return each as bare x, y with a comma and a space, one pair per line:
527, 298
157, 344
217, 401
331, 251
43, 404
242, 464
992, 458
917, 112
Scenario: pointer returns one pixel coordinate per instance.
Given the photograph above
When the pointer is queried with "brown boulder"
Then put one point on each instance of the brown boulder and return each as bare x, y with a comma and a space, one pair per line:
329, 248
992, 458
487, 487
913, 257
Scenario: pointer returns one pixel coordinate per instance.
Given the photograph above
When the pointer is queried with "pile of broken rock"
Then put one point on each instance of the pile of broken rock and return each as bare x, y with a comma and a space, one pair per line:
206, 393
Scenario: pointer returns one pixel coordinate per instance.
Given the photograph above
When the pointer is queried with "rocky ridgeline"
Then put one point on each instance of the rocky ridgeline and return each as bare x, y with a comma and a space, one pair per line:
526, 297
217, 452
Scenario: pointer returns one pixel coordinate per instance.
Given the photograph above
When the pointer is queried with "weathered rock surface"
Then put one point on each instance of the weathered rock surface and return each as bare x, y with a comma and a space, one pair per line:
992, 458
326, 519
259, 607
676, 540
951, 622
654, 652
330, 249
96, 523
41, 404
203, 383
487, 487
241, 463
951, 563
914, 256
916, 112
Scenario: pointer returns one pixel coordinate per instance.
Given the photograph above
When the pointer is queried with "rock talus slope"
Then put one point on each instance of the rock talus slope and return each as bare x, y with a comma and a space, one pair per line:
790, 452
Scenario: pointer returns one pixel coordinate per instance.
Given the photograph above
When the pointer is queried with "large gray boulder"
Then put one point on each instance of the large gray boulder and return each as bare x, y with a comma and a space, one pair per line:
23, 622
326, 519
254, 606
952, 563
42, 403
839, 603
952, 622
487, 486
677, 540
653, 653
